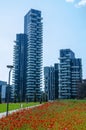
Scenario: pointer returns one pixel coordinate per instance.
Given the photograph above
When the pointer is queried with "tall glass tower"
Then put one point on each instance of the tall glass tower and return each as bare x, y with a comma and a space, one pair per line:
51, 81
33, 30
70, 74
19, 70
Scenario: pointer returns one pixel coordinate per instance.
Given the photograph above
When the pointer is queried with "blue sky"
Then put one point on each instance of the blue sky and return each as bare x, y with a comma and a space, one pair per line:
64, 26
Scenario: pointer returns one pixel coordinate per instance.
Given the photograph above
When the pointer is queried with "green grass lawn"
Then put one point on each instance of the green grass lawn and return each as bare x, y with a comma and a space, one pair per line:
13, 106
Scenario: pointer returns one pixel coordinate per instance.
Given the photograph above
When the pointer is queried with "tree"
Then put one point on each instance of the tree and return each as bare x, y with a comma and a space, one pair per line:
0, 97
0, 93
35, 97
81, 93
44, 97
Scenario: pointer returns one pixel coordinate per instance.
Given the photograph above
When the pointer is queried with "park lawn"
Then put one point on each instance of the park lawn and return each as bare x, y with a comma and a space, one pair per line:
14, 106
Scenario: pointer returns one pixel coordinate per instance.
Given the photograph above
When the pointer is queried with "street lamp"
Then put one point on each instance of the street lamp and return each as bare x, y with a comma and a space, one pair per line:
10, 67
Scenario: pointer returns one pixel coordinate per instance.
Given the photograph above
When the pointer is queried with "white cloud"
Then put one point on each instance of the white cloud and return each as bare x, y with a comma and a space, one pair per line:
81, 3
71, 1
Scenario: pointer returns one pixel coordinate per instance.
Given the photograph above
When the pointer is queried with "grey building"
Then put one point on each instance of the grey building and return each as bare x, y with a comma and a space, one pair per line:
33, 30
3, 86
70, 74
19, 70
51, 81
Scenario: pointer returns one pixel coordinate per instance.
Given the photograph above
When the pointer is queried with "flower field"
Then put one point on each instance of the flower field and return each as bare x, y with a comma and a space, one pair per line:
58, 115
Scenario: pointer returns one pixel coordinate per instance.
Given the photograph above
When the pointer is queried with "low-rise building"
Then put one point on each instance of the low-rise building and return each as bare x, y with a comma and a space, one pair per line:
3, 86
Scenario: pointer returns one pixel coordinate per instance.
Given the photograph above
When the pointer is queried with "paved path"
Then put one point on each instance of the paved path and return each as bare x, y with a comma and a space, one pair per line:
4, 113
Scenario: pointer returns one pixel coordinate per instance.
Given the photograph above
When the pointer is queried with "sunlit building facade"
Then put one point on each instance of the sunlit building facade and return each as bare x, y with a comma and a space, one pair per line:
33, 30
70, 74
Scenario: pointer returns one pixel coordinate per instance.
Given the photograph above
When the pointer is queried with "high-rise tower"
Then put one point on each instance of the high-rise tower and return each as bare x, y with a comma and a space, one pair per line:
19, 70
70, 74
33, 30
51, 81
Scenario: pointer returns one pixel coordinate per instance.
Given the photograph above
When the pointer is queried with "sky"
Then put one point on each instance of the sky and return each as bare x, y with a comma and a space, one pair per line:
64, 26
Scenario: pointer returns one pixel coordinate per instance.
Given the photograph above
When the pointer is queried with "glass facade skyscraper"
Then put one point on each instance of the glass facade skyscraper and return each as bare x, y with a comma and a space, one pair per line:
27, 60
70, 74
61, 81
19, 70
33, 30
51, 81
